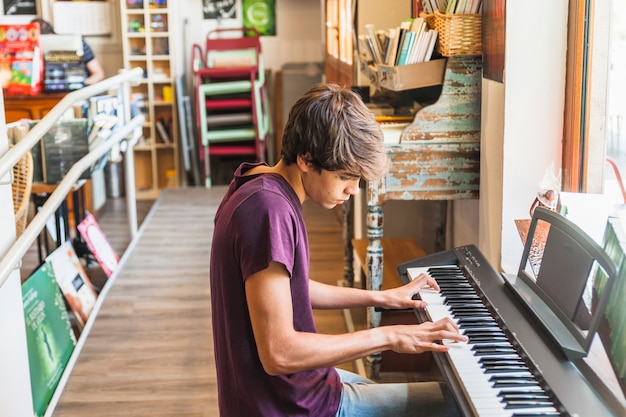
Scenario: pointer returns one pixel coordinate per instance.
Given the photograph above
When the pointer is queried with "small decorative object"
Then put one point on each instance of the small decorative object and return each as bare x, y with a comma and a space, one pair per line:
549, 195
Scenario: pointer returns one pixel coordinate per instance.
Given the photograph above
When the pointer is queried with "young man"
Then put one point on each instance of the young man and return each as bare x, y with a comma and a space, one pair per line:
270, 361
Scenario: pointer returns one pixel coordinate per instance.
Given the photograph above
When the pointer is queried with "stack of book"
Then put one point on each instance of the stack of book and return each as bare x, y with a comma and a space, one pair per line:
410, 43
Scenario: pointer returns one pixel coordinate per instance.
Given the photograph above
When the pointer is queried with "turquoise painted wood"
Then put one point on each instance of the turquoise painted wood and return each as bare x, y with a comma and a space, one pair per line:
438, 158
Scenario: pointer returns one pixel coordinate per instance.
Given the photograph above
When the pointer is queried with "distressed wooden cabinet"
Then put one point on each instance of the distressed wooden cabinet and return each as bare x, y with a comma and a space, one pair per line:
437, 158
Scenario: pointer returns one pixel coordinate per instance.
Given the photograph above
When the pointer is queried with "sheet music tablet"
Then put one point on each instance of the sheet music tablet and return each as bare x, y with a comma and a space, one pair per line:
564, 279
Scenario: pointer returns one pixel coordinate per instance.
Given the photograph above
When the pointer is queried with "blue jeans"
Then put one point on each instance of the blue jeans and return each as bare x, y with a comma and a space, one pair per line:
362, 397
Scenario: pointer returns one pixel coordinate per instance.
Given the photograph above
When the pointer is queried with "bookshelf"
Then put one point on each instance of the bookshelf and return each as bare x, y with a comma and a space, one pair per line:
147, 35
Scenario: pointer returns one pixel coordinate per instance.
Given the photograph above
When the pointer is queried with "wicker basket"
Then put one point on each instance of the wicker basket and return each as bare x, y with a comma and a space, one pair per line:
22, 185
459, 34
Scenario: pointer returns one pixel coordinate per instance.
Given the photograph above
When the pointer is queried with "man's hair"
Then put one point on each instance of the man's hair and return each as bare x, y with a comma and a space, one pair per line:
45, 27
330, 127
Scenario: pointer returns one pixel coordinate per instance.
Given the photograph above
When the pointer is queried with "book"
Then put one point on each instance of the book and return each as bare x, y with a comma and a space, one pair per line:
98, 244
427, 46
419, 28
405, 27
407, 44
401, 36
370, 31
391, 45
462, 7
73, 281
451, 7
364, 48
162, 132
49, 335
431, 46
427, 7
383, 42
369, 48
475, 6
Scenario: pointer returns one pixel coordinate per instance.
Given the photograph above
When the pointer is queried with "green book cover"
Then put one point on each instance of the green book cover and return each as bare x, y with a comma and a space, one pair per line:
49, 335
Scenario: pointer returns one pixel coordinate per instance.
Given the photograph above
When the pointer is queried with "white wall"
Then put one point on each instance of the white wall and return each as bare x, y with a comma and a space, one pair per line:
531, 120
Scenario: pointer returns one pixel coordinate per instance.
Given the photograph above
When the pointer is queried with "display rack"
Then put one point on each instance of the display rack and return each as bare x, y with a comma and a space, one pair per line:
147, 37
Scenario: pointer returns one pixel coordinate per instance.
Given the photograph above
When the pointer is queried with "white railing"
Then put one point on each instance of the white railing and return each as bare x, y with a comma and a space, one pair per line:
129, 131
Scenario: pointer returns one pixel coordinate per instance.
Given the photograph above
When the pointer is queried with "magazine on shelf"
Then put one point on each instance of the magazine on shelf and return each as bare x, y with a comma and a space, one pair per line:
73, 281
98, 244
49, 335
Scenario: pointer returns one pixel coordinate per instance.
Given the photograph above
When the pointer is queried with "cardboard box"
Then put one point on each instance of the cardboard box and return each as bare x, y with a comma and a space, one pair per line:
407, 77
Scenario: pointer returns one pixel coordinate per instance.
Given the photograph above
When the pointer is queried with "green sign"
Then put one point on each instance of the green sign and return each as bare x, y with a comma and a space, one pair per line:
261, 15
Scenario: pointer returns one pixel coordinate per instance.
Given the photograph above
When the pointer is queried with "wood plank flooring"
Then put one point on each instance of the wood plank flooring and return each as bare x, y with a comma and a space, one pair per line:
150, 349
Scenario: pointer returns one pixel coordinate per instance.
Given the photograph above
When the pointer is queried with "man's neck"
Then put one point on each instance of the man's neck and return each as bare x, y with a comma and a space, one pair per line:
291, 173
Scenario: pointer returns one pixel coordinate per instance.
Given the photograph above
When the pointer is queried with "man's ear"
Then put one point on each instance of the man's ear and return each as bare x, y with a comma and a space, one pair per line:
304, 162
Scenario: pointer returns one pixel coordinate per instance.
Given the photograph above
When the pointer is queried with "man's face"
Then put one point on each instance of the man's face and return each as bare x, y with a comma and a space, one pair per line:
330, 188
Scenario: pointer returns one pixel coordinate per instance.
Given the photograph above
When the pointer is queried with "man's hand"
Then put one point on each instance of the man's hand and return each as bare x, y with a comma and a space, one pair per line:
422, 337
402, 297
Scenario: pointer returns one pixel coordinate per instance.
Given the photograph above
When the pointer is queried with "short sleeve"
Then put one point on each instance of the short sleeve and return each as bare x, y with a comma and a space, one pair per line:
88, 54
267, 233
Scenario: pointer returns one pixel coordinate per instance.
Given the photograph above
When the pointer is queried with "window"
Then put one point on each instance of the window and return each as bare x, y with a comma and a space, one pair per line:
616, 100
595, 103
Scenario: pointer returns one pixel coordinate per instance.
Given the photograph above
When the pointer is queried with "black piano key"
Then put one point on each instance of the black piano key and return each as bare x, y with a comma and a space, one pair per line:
451, 295
443, 272
536, 414
451, 278
484, 332
474, 340
524, 395
509, 381
455, 286
478, 325
459, 303
470, 314
465, 320
510, 360
450, 285
511, 405
468, 307
504, 369
486, 350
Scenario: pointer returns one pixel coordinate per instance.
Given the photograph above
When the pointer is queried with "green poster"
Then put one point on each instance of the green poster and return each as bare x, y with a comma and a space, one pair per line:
49, 335
261, 15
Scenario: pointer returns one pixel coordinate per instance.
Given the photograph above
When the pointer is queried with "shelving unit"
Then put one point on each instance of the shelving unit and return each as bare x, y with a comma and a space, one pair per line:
147, 35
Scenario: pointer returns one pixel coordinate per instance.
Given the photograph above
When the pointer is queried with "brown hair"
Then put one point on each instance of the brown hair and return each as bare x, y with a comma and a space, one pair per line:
45, 28
331, 127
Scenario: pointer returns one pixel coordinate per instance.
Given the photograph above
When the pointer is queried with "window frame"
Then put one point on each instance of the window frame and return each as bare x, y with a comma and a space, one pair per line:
585, 115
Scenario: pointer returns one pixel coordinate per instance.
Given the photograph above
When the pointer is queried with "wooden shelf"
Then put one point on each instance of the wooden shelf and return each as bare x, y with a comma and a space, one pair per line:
147, 41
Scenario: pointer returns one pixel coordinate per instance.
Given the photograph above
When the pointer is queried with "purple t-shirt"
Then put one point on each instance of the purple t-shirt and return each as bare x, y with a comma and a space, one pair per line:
260, 221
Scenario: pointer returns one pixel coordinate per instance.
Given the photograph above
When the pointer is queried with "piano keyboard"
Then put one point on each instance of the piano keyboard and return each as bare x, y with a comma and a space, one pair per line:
493, 373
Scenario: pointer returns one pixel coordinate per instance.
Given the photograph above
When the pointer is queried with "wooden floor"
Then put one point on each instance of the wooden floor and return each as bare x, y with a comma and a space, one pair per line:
150, 351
